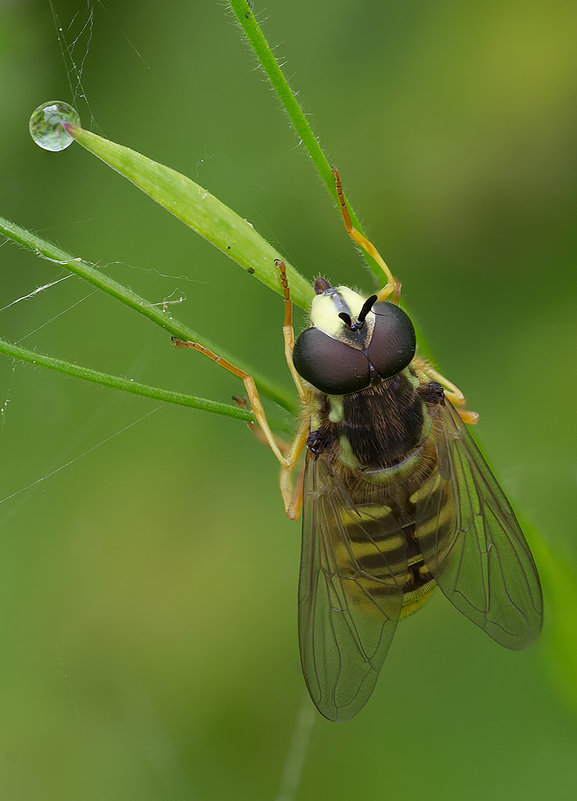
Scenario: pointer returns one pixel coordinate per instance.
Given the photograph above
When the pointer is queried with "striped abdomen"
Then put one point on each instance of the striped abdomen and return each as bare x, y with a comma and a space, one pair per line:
383, 451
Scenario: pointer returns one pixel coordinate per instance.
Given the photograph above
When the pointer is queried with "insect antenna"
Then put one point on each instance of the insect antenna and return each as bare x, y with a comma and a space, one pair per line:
367, 306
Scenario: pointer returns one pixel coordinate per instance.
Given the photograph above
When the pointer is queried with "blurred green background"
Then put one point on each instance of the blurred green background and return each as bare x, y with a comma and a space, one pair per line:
147, 572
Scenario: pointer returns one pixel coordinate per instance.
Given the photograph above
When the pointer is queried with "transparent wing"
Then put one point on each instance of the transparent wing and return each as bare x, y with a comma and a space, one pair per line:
472, 542
353, 569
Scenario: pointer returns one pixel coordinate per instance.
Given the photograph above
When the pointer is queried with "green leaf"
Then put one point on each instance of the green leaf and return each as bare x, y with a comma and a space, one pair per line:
201, 211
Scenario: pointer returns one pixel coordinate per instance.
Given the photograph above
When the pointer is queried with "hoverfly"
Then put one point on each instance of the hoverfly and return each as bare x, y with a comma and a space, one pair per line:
396, 496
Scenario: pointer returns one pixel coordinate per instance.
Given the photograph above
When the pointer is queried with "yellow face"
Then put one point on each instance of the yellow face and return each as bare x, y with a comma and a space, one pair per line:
354, 341
325, 310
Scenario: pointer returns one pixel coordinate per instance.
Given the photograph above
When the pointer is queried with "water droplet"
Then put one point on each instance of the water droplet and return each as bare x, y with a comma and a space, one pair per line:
46, 125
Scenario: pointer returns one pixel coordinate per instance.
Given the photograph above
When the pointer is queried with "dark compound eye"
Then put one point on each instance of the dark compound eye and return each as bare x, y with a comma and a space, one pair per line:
330, 365
393, 343
337, 368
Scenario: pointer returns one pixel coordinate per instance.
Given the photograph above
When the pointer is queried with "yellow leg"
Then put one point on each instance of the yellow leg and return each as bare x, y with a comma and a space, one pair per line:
283, 446
288, 330
393, 286
293, 498
290, 457
294, 507
251, 390
455, 395
287, 455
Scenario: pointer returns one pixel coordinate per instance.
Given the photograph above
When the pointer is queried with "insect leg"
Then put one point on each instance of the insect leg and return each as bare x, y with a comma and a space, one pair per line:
393, 286
251, 390
294, 497
283, 446
456, 397
290, 456
288, 331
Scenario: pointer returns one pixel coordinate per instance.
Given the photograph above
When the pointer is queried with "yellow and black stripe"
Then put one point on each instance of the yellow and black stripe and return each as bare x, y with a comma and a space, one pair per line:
380, 443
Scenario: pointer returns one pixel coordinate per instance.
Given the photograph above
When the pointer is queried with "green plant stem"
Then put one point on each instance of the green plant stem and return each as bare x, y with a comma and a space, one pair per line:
99, 279
125, 384
244, 13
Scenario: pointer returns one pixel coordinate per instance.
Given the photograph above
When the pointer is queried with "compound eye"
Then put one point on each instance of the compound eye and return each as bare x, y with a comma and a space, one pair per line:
393, 343
330, 365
